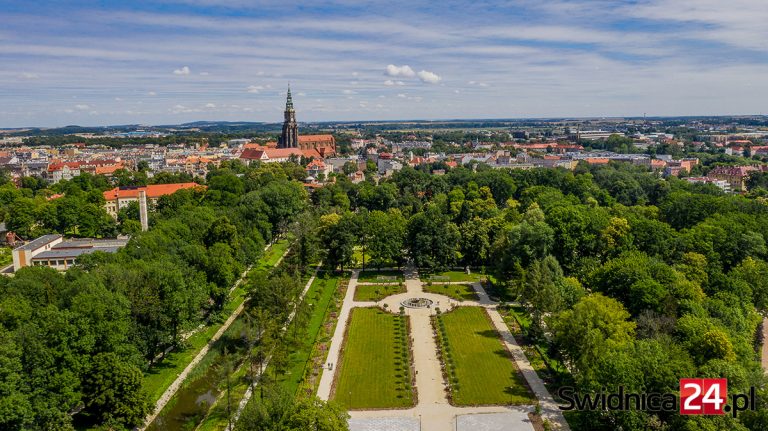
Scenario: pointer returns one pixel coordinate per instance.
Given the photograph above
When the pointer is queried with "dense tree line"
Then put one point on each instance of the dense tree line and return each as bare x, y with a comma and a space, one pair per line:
635, 280
73, 346
632, 279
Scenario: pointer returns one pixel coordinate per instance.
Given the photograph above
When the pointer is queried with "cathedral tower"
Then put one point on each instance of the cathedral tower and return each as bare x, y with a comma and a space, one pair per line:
290, 136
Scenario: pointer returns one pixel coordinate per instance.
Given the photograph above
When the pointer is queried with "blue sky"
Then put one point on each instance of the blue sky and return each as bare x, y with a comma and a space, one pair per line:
127, 62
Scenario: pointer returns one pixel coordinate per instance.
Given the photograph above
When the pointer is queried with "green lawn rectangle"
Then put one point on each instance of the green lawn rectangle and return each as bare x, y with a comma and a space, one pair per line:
452, 276
480, 370
374, 372
376, 292
459, 292
380, 276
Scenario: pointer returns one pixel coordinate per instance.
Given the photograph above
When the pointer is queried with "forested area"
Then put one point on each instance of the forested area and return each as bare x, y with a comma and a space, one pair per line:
635, 280
630, 279
73, 346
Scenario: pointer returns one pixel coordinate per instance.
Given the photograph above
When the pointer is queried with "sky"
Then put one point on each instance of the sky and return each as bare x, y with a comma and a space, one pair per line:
172, 61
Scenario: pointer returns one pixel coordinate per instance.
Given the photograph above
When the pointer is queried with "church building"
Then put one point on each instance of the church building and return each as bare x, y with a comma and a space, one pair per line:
324, 145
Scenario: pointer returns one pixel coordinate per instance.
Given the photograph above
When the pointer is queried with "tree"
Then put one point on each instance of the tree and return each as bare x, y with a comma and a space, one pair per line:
15, 409
432, 239
387, 236
338, 237
595, 328
115, 391
475, 244
279, 411
541, 289
755, 273
522, 244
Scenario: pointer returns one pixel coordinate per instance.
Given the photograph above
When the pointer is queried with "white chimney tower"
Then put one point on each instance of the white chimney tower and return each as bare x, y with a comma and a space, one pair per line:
143, 210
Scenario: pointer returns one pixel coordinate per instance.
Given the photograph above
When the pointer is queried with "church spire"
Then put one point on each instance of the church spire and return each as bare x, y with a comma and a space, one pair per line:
290, 136
289, 100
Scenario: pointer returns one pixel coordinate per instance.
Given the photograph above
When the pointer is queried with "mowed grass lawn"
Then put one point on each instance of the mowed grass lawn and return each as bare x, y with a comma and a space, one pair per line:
459, 292
376, 292
452, 276
380, 276
375, 368
481, 364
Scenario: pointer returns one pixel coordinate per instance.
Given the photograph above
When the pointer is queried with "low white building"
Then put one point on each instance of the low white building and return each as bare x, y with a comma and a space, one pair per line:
55, 252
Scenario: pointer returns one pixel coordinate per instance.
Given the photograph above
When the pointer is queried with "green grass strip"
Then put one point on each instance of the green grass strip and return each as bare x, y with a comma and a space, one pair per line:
375, 368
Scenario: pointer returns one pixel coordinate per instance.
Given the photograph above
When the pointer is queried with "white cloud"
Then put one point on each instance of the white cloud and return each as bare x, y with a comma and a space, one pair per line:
151, 93
183, 71
391, 82
118, 99
403, 70
255, 88
429, 77
479, 84
402, 96
29, 75
210, 105
204, 73
82, 107
349, 92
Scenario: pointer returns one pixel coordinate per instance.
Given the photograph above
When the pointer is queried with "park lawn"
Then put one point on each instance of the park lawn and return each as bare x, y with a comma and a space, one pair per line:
380, 276
482, 371
459, 292
376, 292
320, 295
273, 254
453, 276
158, 378
374, 372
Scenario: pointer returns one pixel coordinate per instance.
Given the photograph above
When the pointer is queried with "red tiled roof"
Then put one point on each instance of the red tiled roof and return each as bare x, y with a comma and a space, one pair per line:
60, 165
153, 191
316, 163
311, 153
252, 153
316, 138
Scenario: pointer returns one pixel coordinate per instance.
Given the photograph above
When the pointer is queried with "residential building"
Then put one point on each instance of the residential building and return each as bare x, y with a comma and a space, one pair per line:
736, 176
119, 197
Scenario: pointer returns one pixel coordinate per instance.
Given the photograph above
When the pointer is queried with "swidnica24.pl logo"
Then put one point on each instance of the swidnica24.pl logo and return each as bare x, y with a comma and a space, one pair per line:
696, 397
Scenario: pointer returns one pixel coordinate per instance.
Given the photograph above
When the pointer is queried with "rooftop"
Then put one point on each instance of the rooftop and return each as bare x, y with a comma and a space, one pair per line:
39, 242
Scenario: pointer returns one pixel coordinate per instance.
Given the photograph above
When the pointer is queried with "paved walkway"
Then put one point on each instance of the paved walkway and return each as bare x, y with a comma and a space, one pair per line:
548, 405
326, 380
764, 355
433, 410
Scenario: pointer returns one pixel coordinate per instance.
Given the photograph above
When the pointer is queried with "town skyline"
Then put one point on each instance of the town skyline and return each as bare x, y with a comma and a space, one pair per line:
181, 61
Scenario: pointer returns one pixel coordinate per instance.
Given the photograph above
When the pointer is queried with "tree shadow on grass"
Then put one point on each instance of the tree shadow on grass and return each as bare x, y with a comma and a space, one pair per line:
489, 333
